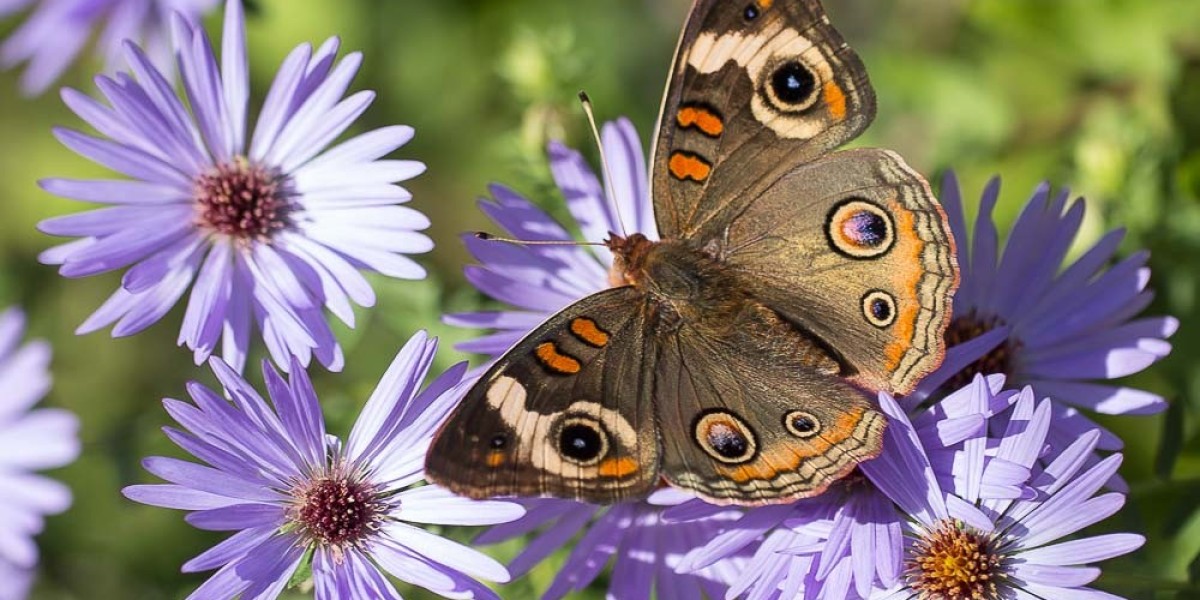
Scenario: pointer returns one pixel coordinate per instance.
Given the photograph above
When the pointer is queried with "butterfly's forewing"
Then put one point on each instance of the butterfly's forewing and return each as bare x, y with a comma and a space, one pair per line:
855, 250
566, 412
757, 88
745, 422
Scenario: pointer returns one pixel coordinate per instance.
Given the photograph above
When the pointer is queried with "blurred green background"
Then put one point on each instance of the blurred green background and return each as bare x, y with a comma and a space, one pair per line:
1101, 95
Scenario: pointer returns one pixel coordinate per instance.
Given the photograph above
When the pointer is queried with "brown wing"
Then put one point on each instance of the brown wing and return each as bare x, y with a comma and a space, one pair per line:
855, 250
758, 87
749, 413
566, 412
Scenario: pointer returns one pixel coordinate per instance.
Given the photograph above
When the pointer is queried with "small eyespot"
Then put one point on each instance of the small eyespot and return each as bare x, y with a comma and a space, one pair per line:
498, 441
791, 87
725, 437
859, 229
879, 308
751, 13
801, 424
582, 441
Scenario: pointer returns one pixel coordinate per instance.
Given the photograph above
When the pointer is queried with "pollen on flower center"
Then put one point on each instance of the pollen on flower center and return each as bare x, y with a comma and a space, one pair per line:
243, 200
955, 562
998, 360
337, 511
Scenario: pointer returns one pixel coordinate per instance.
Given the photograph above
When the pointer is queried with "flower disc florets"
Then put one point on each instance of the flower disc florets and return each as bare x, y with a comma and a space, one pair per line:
337, 510
242, 200
955, 562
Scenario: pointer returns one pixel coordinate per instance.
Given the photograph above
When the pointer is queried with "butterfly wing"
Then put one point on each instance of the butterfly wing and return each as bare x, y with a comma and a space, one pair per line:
855, 250
754, 419
757, 88
566, 412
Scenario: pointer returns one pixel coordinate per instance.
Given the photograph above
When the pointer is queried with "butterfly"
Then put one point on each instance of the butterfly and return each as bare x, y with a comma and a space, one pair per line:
732, 357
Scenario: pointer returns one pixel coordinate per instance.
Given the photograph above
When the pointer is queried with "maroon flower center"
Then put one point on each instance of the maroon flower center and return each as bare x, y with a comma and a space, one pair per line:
243, 200
998, 360
955, 562
337, 511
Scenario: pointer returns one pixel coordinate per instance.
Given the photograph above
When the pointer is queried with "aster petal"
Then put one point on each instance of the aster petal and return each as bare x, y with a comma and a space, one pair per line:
1084, 551
1069, 577
1104, 399
355, 285
235, 75
175, 496
350, 575
332, 125
311, 114
551, 539
110, 191
231, 549
125, 248
630, 179
156, 90
411, 568
449, 553
365, 147
749, 528
238, 516
436, 505
208, 479
918, 494
384, 408
275, 108
206, 309
122, 158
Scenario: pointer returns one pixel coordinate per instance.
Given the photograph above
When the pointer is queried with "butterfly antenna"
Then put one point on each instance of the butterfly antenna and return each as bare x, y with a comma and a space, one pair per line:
610, 193
483, 235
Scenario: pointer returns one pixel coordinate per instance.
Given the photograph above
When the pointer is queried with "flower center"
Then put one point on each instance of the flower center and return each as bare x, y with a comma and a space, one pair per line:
998, 360
955, 562
337, 511
242, 200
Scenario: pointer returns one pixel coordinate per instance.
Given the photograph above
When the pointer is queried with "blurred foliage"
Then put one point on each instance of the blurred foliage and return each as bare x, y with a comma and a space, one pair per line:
1101, 95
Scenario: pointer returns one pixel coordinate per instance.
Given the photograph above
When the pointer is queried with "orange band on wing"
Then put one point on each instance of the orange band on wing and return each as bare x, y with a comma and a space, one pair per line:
689, 166
909, 280
701, 118
765, 3
618, 467
495, 458
586, 330
558, 362
835, 99
786, 457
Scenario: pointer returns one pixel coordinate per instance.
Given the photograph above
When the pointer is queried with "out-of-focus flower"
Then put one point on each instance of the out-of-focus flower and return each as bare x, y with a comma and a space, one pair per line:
1063, 328
538, 281
30, 440
267, 229
295, 495
56, 31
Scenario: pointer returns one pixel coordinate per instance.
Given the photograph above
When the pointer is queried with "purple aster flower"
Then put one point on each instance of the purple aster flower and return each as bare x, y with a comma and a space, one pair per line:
57, 30
643, 548
295, 495
962, 542
266, 229
1061, 327
538, 281
30, 440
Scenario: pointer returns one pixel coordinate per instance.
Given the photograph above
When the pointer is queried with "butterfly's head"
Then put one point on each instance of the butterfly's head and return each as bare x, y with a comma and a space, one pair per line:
629, 254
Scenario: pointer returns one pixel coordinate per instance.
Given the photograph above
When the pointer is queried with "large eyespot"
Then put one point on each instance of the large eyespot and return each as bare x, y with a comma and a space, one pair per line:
791, 86
801, 424
859, 229
582, 441
879, 307
725, 437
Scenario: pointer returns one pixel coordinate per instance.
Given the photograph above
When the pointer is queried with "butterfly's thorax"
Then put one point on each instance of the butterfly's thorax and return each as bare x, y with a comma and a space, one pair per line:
688, 286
